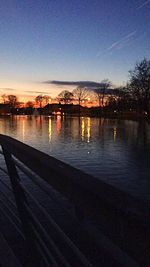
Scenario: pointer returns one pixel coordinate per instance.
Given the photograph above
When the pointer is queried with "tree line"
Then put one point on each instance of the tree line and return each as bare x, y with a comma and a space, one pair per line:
135, 96
79, 94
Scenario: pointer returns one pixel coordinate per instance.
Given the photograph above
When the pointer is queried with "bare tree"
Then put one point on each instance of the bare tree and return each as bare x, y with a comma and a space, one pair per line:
80, 93
5, 98
12, 100
65, 96
98, 93
46, 99
39, 100
29, 104
101, 91
139, 84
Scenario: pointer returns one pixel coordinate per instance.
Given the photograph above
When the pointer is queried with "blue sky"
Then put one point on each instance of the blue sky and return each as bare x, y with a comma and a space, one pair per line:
70, 40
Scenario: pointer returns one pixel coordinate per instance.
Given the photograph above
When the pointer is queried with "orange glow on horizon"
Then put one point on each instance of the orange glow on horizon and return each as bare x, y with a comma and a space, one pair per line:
26, 92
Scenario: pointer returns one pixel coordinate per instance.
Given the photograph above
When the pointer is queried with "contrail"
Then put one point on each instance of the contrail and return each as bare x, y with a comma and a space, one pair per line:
144, 4
122, 40
118, 43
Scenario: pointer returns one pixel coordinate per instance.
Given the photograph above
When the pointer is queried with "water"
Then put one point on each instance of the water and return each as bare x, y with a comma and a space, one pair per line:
116, 151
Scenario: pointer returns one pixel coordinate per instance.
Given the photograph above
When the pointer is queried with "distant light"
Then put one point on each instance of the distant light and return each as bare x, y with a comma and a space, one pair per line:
89, 99
115, 133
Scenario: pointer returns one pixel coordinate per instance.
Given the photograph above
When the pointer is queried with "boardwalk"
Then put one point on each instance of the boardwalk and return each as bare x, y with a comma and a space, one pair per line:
55, 215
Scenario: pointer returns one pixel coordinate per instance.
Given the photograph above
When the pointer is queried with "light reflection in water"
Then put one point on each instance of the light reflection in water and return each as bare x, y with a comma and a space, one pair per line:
58, 123
50, 129
118, 152
88, 129
114, 133
82, 128
23, 130
85, 129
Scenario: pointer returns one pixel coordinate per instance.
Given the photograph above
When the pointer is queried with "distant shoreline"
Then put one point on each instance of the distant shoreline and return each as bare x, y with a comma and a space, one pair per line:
107, 115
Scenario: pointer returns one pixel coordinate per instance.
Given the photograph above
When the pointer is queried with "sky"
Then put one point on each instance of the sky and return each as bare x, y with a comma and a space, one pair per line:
67, 40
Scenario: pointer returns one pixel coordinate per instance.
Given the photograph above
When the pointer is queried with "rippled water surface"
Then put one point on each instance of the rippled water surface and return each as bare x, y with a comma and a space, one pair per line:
116, 151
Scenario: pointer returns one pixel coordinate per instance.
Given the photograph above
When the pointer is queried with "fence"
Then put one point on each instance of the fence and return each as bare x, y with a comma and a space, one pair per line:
115, 225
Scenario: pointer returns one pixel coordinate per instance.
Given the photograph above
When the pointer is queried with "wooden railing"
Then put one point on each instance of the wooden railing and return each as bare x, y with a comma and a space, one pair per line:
116, 222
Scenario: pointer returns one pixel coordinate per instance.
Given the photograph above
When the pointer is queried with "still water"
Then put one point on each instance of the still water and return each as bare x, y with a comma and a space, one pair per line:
116, 151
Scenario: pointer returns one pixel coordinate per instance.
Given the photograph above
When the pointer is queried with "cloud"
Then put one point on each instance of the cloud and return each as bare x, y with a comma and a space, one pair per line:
73, 83
144, 4
25, 91
37, 92
8, 89
122, 41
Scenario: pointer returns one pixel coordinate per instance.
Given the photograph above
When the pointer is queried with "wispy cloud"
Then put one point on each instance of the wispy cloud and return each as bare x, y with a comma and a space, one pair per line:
121, 41
144, 4
7, 89
37, 92
73, 83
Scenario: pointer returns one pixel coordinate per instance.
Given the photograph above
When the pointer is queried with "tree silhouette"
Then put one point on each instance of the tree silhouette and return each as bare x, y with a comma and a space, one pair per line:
39, 100
80, 94
46, 99
101, 91
12, 100
30, 104
139, 84
65, 96
5, 98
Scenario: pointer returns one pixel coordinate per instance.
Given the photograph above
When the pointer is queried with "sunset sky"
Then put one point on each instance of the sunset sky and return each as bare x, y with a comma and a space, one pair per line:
67, 40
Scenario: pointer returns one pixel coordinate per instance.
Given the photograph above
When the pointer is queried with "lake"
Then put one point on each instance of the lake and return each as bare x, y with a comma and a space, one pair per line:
116, 151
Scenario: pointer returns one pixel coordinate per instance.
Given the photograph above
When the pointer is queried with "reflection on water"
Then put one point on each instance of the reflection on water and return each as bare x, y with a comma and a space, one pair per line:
58, 123
50, 129
82, 129
114, 150
88, 129
85, 129
115, 133
23, 129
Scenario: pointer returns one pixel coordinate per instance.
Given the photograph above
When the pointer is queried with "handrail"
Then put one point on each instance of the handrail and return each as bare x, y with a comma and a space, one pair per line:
37, 181
92, 198
84, 190
27, 216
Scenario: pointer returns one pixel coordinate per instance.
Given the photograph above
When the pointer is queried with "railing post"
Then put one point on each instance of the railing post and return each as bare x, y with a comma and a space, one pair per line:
20, 199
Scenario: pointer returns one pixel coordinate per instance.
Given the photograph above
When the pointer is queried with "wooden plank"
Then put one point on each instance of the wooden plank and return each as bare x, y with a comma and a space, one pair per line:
7, 257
